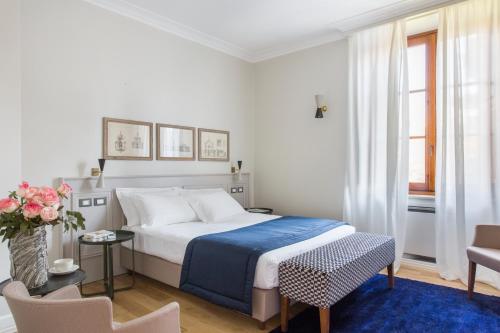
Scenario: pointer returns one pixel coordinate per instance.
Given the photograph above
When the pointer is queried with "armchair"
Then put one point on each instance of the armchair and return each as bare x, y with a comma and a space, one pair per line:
485, 251
65, 311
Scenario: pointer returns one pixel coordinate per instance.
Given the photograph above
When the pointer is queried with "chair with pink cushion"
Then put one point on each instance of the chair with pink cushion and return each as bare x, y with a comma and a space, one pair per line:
66, 311
485, 251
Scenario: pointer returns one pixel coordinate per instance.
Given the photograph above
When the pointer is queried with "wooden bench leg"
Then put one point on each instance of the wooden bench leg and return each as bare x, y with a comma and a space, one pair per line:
390, 275
472, 279
324, 319
285, 303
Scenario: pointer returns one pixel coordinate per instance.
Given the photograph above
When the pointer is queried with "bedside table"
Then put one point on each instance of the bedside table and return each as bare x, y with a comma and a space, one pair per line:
261, 210
107, 245
53, 283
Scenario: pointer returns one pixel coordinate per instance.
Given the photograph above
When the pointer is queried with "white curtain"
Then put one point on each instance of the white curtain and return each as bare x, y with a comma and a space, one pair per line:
376, 190
468, 124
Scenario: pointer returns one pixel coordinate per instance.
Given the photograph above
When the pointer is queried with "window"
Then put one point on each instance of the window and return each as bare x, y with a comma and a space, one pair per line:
422, 85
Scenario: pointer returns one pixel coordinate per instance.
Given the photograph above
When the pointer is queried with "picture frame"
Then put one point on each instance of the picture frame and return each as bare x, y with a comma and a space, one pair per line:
175, 143
127, 139
213, 145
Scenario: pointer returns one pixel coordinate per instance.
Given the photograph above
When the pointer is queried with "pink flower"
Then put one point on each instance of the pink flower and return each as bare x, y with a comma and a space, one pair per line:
32, 210
64, 189
49, 214
31, 192
49, 196
21, 191
8, 205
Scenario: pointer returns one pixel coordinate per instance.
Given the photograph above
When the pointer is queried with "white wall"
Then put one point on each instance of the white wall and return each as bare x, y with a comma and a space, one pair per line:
81, 63
300, 159
10, 125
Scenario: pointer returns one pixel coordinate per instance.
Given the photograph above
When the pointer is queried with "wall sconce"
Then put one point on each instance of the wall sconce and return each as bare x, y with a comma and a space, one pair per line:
320, 105
237, 172
240, 164
100, 181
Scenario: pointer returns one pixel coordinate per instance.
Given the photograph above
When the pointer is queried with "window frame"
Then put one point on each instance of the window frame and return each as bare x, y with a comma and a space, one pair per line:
428, 38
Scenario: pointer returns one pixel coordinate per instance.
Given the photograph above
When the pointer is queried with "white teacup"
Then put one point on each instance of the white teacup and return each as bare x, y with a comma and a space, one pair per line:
63, 265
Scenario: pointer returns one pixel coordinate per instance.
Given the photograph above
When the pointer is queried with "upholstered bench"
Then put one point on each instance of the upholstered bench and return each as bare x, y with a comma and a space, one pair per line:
323, 276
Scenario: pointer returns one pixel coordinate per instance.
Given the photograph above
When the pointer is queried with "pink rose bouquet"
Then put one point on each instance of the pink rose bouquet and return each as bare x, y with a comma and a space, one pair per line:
30, 207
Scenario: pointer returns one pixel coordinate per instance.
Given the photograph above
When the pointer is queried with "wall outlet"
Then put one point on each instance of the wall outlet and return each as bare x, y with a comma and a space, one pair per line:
87, 202
100, 201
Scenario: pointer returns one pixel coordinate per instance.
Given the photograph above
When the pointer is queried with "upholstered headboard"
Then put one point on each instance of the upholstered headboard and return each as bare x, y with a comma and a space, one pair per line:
102, 210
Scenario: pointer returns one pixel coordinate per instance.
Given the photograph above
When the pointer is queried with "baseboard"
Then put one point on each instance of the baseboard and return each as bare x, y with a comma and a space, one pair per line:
429, 266
7, 324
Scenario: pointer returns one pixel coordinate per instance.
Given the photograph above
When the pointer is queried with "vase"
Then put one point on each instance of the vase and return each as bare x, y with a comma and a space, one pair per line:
28, 258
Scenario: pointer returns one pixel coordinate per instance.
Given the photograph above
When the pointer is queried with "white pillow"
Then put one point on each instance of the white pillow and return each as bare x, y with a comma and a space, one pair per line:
157, 209
125, 195
214, 206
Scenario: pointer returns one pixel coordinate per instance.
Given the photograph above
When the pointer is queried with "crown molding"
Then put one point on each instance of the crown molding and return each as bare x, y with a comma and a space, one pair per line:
142, 15
339, 29
162, 23
398, 10
285, 49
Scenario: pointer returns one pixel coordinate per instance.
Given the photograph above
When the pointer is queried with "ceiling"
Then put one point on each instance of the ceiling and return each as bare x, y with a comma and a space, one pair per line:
256, 30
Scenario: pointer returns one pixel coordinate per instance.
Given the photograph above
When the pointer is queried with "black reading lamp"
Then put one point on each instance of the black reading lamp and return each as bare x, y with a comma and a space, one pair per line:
100, 181
240, 163
320, 106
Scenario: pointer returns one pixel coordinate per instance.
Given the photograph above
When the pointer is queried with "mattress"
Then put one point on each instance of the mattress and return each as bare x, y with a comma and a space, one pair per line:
169, 242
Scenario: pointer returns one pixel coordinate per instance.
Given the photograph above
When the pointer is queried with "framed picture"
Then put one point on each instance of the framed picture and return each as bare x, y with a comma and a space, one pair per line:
127, 139
175, 143
213, 145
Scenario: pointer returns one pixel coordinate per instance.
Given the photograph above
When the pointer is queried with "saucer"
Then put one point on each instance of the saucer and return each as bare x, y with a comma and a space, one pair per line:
53, 270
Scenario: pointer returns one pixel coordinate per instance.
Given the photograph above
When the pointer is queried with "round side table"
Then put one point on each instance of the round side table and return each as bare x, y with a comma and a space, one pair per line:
54, 282
260, 210
107, 247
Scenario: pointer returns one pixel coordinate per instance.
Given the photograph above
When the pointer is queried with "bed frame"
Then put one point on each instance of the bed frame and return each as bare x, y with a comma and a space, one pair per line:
265, 302
103, 211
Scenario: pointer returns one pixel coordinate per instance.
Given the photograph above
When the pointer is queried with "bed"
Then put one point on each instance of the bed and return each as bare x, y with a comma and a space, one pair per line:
169, 243
160, 254
160, 249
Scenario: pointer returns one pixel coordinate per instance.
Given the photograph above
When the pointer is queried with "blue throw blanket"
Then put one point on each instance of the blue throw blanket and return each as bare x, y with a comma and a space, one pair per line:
221, 267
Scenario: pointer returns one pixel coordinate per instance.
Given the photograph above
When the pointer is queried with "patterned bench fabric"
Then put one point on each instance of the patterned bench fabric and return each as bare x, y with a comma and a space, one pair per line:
323, 276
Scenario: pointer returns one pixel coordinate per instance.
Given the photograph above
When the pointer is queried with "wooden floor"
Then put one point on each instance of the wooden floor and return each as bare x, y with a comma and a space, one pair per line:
198, 315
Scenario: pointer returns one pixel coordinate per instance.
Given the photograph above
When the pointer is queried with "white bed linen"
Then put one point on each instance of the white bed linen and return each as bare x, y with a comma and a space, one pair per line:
169, 242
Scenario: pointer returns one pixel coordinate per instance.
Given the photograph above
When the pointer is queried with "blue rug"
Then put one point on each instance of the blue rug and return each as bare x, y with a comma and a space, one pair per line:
411, 306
